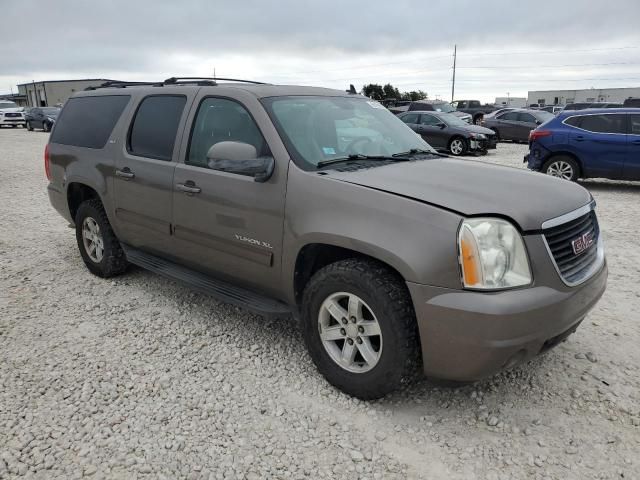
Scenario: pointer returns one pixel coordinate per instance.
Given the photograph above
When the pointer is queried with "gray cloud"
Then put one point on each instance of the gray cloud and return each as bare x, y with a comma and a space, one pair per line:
323, 42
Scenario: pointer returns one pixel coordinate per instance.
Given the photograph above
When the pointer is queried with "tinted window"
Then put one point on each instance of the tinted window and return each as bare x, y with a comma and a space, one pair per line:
88, 121
429, 120
526, 117
604, 123
509, 116
635, 124
474, 104
220, 120
153, 132
411, 118
573, 121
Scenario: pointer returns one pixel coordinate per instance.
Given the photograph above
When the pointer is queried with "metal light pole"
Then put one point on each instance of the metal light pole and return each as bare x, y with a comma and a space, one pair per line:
453, 83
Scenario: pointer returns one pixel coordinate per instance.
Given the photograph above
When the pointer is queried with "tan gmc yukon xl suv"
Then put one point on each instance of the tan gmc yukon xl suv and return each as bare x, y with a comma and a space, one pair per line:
321, 203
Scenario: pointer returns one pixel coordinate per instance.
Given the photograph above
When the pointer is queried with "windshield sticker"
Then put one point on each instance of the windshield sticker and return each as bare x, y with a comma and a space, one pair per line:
329, 150
376, 104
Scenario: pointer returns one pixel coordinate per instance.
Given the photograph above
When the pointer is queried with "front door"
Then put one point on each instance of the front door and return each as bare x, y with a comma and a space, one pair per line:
632, 163
508, 125
433, 132
225, 224
143, 180
602, 144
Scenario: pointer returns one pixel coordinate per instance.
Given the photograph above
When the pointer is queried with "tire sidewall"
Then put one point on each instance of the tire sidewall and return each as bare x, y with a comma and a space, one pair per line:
364, 385
465, 147
102, 268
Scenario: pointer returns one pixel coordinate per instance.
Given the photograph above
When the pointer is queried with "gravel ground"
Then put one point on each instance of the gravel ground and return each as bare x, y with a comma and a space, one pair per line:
138, 377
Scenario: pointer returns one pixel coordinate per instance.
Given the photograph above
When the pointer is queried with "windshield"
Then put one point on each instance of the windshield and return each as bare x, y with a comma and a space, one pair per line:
443, 107
544, 116
317, 129
8, 105
453, 120
50, 111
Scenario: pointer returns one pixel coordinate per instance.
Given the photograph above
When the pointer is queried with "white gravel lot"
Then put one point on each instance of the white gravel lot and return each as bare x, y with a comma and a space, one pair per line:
138, 377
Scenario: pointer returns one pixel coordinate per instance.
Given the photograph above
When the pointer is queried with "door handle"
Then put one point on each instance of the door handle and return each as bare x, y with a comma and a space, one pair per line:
188, 187
125, 173
580, 138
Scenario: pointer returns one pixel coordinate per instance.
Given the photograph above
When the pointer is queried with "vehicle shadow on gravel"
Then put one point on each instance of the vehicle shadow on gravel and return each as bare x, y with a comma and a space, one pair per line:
610, 186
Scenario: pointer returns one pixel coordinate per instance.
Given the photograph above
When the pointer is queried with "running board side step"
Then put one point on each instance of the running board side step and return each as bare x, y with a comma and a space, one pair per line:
223, 291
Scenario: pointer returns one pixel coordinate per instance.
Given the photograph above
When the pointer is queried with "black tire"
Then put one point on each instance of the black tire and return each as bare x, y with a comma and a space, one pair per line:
462, 151
477, 120
113, 260
29, 126
497, 132
556, 164
387, 296
14, 126
46, 127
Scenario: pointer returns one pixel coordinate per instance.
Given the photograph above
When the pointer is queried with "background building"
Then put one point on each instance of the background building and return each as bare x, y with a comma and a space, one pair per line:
20, 100
563, 97
53, 92
517, 102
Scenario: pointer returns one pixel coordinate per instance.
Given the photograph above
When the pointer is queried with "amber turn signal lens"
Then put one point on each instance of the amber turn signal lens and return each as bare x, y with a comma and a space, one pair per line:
469, 263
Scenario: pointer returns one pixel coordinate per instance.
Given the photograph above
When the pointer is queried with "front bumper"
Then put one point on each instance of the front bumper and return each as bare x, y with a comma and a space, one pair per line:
12, 120
467, 335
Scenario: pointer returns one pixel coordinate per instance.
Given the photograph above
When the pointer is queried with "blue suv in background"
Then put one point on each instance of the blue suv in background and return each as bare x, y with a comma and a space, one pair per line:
602, 143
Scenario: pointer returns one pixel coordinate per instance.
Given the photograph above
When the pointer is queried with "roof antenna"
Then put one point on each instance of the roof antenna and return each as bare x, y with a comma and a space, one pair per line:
352, 90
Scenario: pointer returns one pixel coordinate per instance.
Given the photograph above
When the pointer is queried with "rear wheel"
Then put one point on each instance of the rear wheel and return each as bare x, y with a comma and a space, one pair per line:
458, 146
360, 328
98, 244
29, 126
562, 167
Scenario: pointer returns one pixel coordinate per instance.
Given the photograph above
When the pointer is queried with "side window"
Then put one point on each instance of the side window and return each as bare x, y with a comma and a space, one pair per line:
635, 124
461, 104
429, 120
154, 127
513, 116
88, 121
410, 118
574, 121
526, 117
474, 104
604, 123
222, 120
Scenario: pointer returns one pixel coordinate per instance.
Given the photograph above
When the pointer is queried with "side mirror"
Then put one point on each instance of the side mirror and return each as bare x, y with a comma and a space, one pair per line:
240, 158
441, 125
538, 122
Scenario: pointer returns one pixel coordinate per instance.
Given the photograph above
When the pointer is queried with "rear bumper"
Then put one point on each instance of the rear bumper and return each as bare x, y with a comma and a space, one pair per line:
468, 335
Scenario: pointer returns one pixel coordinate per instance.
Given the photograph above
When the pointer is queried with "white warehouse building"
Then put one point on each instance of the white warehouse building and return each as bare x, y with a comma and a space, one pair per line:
564, 97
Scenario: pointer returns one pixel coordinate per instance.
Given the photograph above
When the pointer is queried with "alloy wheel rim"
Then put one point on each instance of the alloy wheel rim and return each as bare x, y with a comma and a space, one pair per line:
456, 147
560, 169
350, 332
92, 239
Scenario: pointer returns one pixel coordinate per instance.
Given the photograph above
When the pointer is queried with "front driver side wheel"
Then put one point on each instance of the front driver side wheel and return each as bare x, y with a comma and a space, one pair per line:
562, 167
458, 146
360, 328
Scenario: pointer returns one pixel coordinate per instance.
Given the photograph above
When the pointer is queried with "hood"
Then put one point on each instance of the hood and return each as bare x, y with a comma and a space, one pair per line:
12, 110
479, 129
460, 114
471, 188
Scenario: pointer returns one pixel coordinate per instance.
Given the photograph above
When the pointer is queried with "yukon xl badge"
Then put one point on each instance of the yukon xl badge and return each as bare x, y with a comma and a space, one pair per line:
253, 241
582, 244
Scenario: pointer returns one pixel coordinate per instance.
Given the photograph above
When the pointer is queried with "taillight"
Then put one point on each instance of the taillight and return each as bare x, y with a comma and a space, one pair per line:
536, 134
47, 163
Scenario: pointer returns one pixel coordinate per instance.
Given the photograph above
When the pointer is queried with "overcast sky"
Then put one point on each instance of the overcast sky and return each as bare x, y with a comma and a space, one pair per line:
503, 46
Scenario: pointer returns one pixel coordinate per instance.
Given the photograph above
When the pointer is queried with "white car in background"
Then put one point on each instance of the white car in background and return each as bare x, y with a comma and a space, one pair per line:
11, 114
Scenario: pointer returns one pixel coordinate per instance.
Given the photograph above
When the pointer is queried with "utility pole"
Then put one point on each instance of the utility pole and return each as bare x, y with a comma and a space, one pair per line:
453, 83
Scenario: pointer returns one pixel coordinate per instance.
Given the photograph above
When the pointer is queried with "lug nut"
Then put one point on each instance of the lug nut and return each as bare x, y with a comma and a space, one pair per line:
361, 329
353, 319
344, 320
350, 341
343, 331
359, 340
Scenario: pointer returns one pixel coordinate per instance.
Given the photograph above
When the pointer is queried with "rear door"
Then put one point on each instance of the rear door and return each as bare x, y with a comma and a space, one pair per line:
143, 180
601, 143
431, 132
526, 123
632, 164
228, 225
38, 118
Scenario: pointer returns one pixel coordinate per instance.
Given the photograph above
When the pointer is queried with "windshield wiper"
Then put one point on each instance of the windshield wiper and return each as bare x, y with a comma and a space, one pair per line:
416, 151
359, 156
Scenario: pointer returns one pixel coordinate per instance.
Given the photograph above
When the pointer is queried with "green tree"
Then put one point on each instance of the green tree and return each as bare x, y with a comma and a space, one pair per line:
391, 92
373, 90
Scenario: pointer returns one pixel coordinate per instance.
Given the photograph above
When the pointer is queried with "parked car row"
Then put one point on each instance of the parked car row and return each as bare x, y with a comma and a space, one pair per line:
42, 118
516, 124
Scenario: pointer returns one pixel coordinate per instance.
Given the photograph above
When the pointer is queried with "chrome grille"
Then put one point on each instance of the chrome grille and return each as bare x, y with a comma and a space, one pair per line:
574, 268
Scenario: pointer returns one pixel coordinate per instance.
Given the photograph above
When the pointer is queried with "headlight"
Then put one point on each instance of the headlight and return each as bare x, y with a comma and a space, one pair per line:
492, 255
478, 136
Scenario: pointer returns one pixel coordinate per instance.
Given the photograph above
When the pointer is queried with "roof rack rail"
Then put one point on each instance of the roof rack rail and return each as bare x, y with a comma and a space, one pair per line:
121, 84
207, 80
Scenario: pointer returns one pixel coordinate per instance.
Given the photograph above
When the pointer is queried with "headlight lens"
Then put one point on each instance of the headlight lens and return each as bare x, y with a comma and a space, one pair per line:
492, 254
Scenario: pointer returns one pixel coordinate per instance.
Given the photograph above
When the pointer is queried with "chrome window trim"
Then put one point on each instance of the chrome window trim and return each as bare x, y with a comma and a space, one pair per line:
567, 217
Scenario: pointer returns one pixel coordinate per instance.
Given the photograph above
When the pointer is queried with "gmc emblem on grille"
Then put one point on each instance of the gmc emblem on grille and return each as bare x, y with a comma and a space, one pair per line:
582, 244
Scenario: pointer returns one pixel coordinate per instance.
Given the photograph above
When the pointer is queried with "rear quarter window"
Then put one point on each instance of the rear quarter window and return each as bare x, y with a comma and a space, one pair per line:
88, 121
